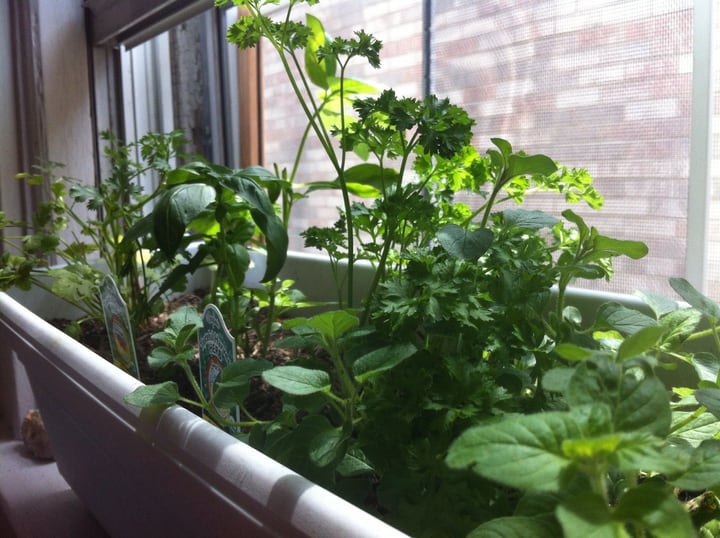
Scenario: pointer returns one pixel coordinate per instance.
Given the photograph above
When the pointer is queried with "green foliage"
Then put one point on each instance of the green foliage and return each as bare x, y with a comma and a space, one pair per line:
78, 224
465, 396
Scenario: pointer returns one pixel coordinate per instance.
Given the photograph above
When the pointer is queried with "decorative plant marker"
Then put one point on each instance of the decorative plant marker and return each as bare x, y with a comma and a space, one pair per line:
217, 350
117, 323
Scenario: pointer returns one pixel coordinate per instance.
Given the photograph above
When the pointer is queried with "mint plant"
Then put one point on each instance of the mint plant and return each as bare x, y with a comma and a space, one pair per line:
617, 459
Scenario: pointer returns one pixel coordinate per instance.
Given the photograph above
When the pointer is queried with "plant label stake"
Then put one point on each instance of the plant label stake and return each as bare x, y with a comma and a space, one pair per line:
117, 323
217, 350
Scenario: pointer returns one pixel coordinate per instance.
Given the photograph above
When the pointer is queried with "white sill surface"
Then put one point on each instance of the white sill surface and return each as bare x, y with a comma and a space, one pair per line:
35, 500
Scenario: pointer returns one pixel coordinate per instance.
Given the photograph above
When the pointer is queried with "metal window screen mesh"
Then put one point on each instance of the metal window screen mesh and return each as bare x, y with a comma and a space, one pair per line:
600, 85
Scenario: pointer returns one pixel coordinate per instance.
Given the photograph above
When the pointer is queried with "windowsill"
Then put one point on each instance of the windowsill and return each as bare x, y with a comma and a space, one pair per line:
36, 501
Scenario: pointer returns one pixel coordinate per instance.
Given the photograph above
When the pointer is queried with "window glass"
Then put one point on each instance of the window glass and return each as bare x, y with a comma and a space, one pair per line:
186, 78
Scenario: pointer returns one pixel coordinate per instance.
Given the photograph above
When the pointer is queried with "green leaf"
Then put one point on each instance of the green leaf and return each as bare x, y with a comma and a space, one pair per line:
297, 380
175, 209
328, 447
659, 304
639, 402
607, 246
381, 359
703, 471
696, 299
334, 324
464, 244
233, 384
557, 379
710, 398
657, 510
640, 342
494, 451
622, 319
530, 165
317, 70
572, 352
691, 430
162, 394
588, 515
160, 356
530, 219
237, 261
263, 213
517, 527
353, 464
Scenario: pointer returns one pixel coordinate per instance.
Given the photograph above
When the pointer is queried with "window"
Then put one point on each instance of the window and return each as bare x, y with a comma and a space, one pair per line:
617, 87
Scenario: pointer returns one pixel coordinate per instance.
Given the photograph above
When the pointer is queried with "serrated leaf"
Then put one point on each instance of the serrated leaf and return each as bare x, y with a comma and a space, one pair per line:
493, 451
162, 394
381, 359
464, 244
622, 319
297, 380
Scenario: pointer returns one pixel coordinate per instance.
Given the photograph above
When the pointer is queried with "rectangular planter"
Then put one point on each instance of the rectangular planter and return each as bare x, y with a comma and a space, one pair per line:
166, 473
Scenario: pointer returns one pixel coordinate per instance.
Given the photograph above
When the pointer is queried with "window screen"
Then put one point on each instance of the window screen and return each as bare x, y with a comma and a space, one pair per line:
605, 86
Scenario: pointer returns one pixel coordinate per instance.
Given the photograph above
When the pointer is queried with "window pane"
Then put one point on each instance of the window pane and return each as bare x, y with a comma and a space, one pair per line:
182, 79
600, 85
398, 25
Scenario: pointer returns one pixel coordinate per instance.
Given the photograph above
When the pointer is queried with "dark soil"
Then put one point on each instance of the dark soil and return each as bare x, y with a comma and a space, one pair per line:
264, 401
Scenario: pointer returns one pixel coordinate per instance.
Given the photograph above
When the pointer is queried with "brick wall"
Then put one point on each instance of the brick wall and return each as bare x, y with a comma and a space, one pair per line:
601, 85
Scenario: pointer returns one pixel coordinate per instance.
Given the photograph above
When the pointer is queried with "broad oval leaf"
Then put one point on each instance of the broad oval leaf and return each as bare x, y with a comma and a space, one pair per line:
328, 447
703, 471
233, 384
710, 398
334, 324
532, 219
381, 359
622, 319
464, 244
175, 209
530, 165
162, 394
297, 380
494, 451
640, 342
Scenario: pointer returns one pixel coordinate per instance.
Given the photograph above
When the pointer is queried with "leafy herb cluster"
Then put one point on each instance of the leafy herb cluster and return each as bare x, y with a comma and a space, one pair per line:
464, 393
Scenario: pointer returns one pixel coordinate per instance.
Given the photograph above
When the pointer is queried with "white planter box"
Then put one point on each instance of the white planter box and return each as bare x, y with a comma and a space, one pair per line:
160, 474
171, 473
